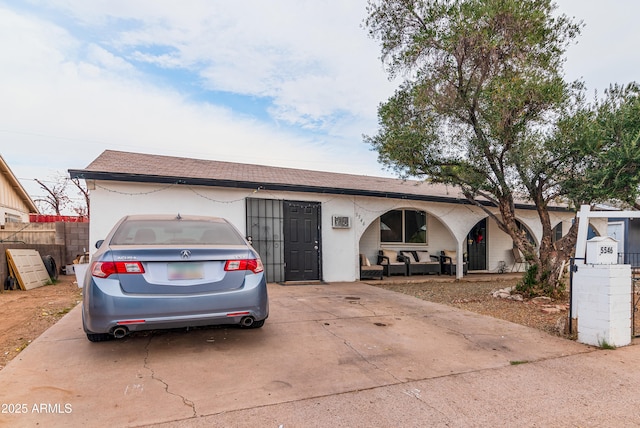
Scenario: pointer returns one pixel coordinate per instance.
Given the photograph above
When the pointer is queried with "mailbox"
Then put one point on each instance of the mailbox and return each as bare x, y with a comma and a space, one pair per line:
602, 250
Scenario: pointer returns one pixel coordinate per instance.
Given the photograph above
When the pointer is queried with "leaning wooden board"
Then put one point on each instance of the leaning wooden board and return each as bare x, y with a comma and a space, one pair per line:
28, 267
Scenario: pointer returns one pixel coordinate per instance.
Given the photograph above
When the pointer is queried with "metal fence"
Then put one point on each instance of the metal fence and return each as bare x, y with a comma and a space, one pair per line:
632, 259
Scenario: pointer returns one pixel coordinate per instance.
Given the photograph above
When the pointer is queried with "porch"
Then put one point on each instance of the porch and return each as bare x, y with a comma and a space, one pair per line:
469, 277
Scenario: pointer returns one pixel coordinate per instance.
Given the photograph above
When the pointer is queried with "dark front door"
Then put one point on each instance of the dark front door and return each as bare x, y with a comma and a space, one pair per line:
301, 241
477, 246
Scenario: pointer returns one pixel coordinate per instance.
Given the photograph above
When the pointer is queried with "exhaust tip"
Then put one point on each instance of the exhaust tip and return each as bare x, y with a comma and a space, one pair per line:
247, 321
120, 332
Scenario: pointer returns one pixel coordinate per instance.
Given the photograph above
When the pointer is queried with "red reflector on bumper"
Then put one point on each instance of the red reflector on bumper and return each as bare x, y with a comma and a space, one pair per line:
237, 314
130, 322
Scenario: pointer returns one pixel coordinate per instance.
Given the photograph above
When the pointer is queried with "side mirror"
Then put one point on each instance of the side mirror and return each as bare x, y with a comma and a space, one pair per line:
250, 239
99, 243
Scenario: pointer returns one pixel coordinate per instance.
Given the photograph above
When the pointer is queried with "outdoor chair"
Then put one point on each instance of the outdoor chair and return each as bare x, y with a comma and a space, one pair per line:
518, 260
421, 263
369, 271
391, 263
449, 260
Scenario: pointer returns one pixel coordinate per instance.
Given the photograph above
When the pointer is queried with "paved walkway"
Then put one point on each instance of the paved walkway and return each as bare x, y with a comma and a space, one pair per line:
336, 355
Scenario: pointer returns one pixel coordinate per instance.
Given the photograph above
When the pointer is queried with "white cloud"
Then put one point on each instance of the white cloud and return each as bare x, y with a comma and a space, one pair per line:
277, 49
81, 97
79, 77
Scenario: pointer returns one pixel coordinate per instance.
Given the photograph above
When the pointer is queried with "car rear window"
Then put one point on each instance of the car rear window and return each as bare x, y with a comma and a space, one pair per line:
175, 232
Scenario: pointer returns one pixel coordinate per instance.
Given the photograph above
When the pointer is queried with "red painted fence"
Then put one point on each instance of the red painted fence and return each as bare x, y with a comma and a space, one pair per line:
46, 218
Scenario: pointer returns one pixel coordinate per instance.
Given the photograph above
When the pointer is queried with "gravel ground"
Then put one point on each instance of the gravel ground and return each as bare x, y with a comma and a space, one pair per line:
476, 296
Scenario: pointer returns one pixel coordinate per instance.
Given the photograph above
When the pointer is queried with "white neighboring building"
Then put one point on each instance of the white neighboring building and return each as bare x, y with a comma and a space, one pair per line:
15, 203
307, 225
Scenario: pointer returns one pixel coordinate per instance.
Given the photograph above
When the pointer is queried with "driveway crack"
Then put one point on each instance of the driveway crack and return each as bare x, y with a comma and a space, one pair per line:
147, 366
357, 352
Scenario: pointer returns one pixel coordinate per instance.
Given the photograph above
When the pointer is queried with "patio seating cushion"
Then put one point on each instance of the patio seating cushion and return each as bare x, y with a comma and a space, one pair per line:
420, 257
392, 255
424, 256
366, 263
449, 262
410, 255
452, 254
367, 270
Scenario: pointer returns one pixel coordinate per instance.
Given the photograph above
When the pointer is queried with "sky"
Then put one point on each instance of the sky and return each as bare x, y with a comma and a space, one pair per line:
293, 83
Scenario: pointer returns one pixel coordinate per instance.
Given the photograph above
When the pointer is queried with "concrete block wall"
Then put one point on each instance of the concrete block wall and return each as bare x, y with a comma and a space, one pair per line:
75, 239
602, 304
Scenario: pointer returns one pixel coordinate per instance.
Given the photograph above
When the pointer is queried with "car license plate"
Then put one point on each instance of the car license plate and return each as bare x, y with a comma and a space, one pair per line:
177, 271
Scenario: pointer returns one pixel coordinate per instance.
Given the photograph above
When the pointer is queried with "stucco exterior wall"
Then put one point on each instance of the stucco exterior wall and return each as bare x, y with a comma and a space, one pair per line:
500, 245
110, 201
448, 223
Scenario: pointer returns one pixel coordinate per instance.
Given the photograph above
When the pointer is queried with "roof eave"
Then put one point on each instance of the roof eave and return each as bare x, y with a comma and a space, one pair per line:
208, 182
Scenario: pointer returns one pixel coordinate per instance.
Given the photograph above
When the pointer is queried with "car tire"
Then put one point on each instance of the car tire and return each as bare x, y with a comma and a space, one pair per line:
256, 324
95, 337
52, 269
99, 337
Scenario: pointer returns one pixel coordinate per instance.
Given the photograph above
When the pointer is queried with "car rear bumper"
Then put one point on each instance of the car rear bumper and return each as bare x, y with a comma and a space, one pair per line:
106, 307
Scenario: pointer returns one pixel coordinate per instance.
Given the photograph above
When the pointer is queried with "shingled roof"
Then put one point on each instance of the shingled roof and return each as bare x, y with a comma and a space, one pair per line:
146, 168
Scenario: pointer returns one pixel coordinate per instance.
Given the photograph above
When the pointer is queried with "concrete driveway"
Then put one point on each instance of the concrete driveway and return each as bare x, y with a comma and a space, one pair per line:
338, 355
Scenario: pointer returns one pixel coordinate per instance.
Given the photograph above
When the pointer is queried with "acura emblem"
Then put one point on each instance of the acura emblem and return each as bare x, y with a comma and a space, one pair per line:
185, 254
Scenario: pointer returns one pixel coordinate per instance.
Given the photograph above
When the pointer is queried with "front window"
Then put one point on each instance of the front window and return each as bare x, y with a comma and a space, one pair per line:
12, 218
404, 226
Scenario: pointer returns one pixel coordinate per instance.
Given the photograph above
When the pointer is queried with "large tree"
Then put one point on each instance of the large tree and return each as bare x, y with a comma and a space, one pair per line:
602, 139
479, 109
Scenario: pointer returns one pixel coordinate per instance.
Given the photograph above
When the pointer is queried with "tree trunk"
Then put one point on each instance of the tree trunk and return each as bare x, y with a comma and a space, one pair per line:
552, 258
548, 258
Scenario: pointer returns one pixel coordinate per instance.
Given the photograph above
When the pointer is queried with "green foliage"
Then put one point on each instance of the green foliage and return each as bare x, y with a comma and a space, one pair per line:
529, 280
604, 147
485, 107
484, 77
534, 284
530, 285
606, 345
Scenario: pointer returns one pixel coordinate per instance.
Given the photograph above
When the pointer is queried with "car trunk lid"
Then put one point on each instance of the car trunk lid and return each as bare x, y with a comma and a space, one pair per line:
176, 270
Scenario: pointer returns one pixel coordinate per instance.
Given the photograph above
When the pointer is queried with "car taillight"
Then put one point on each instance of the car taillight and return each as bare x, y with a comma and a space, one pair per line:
105, 269
254, 265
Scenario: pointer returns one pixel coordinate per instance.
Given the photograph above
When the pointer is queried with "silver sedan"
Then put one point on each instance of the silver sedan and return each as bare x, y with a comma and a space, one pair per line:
158, 272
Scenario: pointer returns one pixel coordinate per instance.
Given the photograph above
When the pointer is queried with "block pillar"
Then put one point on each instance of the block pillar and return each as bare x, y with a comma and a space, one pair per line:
601, 303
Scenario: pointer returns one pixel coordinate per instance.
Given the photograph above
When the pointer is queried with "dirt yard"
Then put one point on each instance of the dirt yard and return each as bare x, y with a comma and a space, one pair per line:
27, 314
477, 296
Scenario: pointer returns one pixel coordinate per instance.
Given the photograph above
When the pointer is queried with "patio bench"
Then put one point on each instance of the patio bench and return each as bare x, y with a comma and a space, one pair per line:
422, 262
